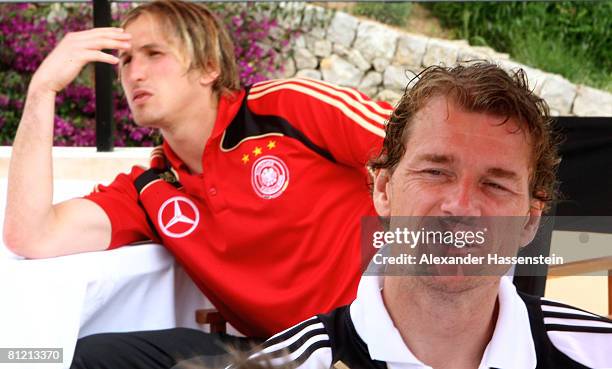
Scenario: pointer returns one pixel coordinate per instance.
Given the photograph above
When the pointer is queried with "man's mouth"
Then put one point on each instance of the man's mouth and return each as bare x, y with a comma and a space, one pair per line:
140, 96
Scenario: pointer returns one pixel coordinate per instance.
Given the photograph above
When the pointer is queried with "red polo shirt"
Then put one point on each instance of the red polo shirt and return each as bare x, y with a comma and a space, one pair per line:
270, 230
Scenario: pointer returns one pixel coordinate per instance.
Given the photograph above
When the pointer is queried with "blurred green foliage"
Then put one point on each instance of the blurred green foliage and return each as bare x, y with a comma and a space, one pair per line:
572, 38
393, 13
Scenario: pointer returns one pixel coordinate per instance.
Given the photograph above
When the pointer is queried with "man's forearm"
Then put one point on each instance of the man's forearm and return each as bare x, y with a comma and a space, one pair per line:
30, 179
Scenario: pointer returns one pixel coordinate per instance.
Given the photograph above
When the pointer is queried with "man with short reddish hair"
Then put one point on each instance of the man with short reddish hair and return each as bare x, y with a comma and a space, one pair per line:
466, 144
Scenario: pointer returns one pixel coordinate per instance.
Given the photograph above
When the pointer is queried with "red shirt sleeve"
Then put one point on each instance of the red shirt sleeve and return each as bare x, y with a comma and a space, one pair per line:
340, 120
120, 202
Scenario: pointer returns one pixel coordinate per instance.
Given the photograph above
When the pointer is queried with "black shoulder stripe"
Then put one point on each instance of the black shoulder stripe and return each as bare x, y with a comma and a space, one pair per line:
554, 314
577, 328
248, 124
295, 346
558, 304
290, 332
145, 178
153, 174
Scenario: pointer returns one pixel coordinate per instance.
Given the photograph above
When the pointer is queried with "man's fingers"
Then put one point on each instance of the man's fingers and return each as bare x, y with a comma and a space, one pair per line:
97, 39
102, 31
89, 39
72, 46
106, 43
90, 56
100, 56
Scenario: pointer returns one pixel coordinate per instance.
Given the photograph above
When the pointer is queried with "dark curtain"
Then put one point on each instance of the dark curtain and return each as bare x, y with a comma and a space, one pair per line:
585, 176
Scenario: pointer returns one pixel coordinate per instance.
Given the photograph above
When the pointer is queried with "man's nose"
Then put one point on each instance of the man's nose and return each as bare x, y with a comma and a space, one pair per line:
136, 70
461, 199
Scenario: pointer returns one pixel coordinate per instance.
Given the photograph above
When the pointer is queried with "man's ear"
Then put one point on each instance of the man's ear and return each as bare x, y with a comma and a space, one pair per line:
380, 193
533, 222
209, 76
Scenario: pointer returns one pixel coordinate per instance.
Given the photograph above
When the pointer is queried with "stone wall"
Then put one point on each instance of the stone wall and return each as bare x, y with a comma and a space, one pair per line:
380, 61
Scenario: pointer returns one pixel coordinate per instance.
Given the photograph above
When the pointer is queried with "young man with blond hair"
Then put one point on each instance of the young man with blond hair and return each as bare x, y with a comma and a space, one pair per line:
252, 191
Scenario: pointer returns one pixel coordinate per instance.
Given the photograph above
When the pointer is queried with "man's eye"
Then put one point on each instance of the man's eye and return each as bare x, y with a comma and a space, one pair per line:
433, 172
154, 53
495, 186
126, 61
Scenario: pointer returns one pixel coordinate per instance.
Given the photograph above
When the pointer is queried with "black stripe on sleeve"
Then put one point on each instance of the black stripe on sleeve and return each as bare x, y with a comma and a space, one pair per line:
145, 178
154, 174
577, 328
286, 350
310, 350
290, 332
555, 314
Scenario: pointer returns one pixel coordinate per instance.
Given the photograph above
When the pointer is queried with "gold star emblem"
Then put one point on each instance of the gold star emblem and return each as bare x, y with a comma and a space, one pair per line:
271, 145
245, 158
257, 151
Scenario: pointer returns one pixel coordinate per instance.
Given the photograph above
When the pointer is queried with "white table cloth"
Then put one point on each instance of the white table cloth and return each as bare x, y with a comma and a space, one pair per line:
52, 302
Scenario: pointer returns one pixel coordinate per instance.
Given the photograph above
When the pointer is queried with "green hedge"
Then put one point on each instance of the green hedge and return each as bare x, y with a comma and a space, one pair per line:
394, 13
570, 38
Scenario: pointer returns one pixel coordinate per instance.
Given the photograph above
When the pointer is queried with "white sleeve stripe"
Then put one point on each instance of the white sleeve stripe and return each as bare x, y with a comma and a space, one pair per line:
265, 83
292, 353
322, 347
297, 353
363, 111
350, 91
380, 116
589, 349
332, 89
577, 322
319, 358
283, 335
288, 342
559, 309
331, 101
271, 82
545, 303
552, 314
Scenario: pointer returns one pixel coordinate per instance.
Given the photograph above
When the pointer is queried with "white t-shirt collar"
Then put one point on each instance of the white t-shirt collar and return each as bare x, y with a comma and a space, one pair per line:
511, 346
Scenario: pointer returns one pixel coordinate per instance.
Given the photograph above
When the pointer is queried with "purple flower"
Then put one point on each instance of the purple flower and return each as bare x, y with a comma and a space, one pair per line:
27, 38
18, 104
236, 21
136, 135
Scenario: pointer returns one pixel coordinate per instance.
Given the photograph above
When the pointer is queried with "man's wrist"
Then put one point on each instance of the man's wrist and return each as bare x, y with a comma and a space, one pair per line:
38, 90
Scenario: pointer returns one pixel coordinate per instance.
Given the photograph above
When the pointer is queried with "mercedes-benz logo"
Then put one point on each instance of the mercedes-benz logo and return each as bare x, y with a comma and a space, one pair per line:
178, 217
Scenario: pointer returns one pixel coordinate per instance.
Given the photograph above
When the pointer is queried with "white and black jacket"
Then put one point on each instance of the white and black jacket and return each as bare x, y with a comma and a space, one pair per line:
530, 333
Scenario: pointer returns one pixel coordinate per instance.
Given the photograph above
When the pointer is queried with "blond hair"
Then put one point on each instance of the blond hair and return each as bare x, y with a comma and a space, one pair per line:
202, 39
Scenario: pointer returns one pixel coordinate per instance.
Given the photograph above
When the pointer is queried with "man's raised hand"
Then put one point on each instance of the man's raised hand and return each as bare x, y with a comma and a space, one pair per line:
33, 226
76, 50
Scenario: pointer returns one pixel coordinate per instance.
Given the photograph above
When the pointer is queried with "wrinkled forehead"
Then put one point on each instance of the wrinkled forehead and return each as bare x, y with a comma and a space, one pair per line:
148, 27
447, 123
445, 114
